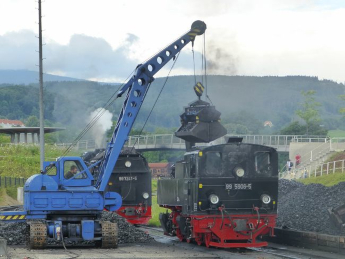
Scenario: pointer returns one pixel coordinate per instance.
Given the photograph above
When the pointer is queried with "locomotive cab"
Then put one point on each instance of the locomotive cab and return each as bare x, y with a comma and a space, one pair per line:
222, 195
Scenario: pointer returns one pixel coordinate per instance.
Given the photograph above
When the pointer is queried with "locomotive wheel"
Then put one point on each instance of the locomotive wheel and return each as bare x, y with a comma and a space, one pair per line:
37, 235
109, 234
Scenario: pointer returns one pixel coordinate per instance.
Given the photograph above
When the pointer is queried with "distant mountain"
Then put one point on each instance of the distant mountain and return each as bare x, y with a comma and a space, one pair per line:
29, 77
242, 100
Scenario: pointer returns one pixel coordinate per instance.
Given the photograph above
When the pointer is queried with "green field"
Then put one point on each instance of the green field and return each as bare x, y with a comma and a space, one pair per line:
336, 133
327, 180
24, 160
155, 207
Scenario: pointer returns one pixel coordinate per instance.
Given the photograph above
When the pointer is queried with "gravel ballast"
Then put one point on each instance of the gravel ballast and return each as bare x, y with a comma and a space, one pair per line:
305, 207
15, 233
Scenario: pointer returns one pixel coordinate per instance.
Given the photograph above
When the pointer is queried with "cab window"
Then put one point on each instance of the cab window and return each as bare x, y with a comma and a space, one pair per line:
263, 167
213, 163
51, 170
72, 168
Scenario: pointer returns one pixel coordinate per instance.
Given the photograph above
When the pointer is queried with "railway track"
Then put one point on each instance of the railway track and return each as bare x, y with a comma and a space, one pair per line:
273, 250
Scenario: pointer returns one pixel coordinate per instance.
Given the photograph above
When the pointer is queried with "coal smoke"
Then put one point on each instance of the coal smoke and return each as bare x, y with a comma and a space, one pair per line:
101, 126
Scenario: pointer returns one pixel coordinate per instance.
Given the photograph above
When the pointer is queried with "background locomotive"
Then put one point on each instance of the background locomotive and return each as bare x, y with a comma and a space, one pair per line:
131, 178
223, 195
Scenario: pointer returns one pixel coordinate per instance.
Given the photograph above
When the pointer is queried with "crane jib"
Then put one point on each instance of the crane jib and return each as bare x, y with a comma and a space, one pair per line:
137, 88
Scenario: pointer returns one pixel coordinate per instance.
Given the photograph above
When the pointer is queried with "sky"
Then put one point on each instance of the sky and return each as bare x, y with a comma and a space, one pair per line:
104, 40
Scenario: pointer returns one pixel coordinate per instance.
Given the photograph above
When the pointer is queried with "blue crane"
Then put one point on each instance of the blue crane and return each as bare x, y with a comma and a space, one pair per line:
65, 201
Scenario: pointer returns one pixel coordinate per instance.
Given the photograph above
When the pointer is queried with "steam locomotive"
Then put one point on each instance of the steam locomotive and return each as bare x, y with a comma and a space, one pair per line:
222, 195
131, 178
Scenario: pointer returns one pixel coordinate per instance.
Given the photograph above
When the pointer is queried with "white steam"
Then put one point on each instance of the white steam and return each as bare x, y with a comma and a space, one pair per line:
101, 126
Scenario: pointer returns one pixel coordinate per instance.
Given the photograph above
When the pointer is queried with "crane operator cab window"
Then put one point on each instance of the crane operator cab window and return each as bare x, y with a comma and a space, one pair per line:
51, 170
263, 167
73, 169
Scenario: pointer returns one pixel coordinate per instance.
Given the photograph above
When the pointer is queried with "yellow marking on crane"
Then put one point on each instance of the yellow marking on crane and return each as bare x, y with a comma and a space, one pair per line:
15, 217
22, 217
8, 217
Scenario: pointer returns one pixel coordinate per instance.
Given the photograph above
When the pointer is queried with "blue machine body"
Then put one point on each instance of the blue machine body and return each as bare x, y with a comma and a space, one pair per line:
45, 194
73, 204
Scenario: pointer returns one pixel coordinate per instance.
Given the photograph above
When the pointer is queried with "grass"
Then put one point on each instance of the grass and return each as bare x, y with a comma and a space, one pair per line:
336, 133
24, 160
327, 180
156, 210
12, 191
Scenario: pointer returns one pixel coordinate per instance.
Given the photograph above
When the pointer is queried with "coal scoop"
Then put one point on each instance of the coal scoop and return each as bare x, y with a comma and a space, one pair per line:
200, 122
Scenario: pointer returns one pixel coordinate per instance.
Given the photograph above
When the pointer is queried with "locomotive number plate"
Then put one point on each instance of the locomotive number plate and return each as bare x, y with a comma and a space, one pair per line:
128, 178
238, 186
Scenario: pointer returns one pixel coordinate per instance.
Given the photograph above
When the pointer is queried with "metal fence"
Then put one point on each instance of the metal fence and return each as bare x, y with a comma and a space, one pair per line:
315, 170
12, 181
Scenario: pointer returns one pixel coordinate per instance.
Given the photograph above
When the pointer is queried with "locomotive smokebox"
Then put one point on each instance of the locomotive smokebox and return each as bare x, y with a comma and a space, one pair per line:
200, 123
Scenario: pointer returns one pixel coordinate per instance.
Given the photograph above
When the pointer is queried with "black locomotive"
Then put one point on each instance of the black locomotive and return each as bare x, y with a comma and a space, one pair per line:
131, 178
223, 195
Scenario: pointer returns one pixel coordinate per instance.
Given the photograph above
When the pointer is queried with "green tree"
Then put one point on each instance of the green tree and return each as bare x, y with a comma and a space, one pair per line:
309, 112
32, 121
295, 128
342, 110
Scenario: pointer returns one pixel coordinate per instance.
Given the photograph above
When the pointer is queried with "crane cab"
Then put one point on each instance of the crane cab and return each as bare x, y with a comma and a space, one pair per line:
69, 172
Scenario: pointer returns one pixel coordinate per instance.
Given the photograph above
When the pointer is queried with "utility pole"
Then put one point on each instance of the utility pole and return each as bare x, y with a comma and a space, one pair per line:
41, 135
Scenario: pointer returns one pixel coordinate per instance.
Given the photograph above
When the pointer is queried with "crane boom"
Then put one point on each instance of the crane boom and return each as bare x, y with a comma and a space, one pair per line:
137, 88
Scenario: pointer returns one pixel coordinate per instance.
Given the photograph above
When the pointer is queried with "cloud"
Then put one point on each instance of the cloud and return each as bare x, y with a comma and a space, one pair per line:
18, 50
83, 57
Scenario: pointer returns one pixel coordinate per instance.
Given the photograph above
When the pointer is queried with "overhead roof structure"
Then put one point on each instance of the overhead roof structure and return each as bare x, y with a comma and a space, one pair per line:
16, 132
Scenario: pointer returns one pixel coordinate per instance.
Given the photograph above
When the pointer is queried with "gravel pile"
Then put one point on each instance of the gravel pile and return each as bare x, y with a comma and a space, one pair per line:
15, 233
127, 232
304, 207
